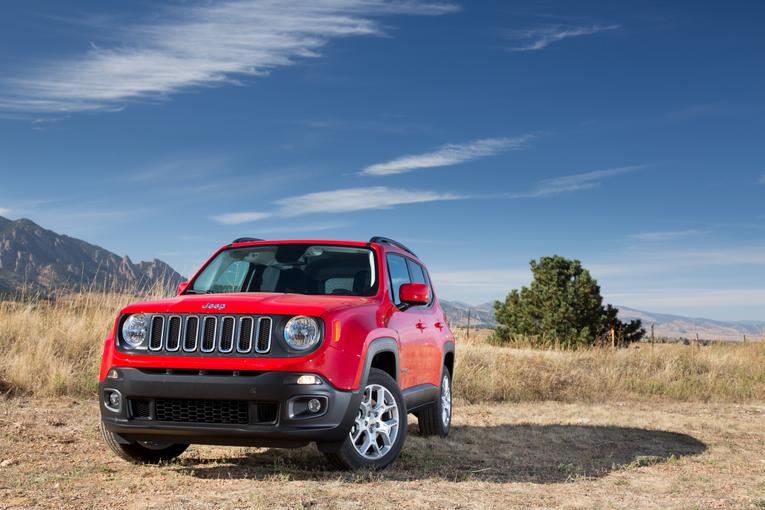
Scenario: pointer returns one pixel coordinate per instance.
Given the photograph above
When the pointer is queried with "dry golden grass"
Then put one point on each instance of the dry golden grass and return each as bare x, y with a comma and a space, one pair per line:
719, 372
54, 347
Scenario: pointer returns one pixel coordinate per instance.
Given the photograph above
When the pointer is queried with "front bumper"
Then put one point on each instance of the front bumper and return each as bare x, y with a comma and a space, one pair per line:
155, 407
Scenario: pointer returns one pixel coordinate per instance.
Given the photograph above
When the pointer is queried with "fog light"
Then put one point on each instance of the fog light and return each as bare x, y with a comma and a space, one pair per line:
113, 401
308, 379
314, 405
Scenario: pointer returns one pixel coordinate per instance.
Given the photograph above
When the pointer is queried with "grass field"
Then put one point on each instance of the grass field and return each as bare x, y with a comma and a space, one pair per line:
669, 426
53, 348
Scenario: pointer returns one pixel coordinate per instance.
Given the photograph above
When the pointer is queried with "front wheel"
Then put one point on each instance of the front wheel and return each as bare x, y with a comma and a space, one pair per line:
142, 452
379, 430
436, 419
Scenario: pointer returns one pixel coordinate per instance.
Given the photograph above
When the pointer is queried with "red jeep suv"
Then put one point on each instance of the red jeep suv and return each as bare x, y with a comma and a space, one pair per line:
279, 344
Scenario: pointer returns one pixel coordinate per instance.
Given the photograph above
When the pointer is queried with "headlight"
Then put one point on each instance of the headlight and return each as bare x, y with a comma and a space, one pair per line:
134, 331
301, 333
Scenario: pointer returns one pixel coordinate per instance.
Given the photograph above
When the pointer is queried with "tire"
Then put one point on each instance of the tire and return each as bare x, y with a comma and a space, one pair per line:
381, 414
436, 419
142, 452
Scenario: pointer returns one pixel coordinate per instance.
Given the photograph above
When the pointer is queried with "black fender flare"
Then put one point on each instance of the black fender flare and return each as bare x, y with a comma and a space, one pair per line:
449, 348
376, 346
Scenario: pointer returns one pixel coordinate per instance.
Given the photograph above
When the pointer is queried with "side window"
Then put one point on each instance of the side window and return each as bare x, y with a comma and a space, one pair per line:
399, 275
418, 275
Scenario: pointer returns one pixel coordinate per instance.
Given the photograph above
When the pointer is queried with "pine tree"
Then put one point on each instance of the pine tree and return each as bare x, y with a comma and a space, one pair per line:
562, 306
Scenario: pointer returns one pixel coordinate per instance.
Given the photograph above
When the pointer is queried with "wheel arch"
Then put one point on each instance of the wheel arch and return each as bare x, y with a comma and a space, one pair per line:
382, 353
448, 359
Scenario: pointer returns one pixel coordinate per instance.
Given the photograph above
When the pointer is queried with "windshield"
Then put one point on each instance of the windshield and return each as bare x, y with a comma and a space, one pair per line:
315, 269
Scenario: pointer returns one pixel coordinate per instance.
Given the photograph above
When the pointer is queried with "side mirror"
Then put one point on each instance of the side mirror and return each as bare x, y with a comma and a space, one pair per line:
414, 294
182, 287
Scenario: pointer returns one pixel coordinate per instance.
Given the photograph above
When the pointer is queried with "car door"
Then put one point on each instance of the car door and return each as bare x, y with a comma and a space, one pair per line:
429, 326
405, 324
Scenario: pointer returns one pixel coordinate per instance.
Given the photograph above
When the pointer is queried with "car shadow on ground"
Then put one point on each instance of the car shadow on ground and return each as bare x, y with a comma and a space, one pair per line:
501, 453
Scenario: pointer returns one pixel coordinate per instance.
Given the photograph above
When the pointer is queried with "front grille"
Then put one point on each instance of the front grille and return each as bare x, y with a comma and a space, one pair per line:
140, 409
266, 413
210, 329
264, 334
173, 334
210, 334
227, 335
157, 331
224, 412
201, 371
203, 411
192, 334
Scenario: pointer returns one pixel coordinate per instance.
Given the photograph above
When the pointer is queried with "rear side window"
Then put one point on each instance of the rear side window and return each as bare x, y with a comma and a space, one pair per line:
418, 275
399, 275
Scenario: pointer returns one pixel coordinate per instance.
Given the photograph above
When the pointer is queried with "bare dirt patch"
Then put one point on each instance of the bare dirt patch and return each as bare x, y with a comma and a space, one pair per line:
546, 454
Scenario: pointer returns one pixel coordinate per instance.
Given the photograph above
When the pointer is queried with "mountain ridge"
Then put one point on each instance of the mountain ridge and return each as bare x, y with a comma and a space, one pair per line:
39, 260
665, 325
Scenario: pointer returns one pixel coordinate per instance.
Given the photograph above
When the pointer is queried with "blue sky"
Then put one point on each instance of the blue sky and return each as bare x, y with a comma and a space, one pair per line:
483, 134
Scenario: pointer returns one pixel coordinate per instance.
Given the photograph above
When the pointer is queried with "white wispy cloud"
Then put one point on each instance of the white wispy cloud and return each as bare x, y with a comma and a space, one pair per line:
447, 155
185, 168
357, 199
309, 227
534, 39
337, 201
198, 46
240, 217
575, 182
4, 211
669, 235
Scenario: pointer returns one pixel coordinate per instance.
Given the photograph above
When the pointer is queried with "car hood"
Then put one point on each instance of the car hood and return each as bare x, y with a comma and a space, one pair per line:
249, 303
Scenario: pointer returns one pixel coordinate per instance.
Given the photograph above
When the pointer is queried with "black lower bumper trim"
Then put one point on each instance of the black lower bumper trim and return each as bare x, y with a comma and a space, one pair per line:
264, 409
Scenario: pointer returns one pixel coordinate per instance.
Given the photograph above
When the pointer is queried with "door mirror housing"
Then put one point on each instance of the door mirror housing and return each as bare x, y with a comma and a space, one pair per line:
414, 294
182, 287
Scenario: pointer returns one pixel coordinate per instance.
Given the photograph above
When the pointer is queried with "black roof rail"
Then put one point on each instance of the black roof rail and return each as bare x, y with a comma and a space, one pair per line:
246, 240
385, 240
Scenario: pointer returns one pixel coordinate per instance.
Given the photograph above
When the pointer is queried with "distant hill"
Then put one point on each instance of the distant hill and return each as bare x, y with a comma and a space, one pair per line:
666, 326
43, 261
481, 316
677, 326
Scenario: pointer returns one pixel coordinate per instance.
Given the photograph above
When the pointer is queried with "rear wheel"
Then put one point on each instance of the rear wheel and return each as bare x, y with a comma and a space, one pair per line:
142, 452
436, 419
379, 430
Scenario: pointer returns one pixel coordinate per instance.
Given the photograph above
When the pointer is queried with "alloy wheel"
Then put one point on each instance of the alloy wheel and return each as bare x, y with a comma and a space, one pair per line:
375, 429
446, 401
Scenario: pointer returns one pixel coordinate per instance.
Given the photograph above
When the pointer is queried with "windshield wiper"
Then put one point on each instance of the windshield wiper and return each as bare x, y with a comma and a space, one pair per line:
192, 291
